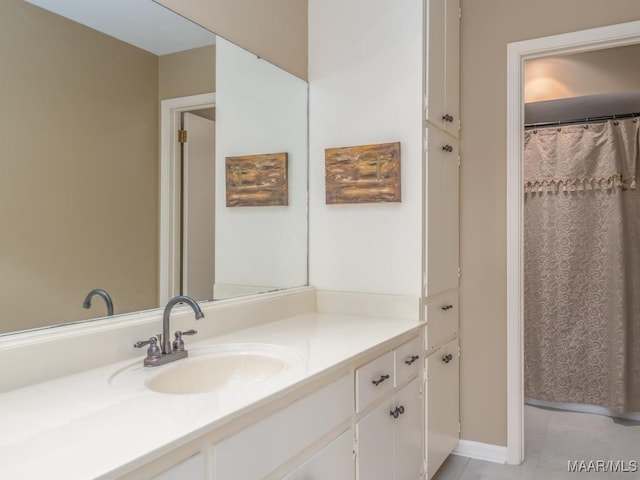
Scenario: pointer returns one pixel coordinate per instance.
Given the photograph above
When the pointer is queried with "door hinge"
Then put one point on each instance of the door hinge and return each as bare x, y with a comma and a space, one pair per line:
458, 161
425, 374
355, 450
182, 136
459, 272
460, 13
459, 427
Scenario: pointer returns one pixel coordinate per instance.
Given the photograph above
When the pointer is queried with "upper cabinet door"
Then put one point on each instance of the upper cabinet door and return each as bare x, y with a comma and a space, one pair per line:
442, 222
452, 66
435, 63
442, 64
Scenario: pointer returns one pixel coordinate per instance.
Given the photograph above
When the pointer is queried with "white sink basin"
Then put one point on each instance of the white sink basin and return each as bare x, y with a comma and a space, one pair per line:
213, 369
214, 372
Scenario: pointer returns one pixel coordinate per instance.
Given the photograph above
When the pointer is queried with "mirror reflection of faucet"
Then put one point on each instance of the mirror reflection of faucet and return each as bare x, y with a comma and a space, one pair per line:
157, 355
101, 293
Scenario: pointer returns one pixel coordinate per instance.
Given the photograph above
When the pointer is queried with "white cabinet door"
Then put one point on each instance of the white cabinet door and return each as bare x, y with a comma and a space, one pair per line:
435, 62
452, 66
390, 437
333, 462
442, 222
442, 64
408, 435
442, 405
192, 468
374, 435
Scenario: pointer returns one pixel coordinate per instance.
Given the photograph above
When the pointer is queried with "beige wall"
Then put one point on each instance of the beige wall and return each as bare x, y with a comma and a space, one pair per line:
78, 174
589, 73
275, 30
487, 27
187, 73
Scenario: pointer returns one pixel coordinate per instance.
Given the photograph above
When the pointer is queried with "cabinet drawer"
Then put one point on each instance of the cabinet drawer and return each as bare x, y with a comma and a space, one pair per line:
373, 380
442, 318
274, 440
408, 359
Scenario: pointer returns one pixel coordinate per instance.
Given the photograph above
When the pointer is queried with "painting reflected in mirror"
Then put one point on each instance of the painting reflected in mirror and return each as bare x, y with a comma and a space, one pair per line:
80, 177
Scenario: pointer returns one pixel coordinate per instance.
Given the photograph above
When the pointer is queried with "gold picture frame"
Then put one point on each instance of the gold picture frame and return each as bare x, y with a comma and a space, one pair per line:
363, 173
257, 180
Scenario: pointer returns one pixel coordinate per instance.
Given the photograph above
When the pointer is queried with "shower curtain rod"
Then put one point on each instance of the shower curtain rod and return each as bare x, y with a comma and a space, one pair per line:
582, 120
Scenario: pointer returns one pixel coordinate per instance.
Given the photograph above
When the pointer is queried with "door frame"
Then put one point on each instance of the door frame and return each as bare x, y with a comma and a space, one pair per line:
170, 152
581, 41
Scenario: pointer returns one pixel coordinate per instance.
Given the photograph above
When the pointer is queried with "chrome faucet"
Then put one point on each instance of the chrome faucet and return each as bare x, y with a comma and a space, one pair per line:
100, 293
159, 356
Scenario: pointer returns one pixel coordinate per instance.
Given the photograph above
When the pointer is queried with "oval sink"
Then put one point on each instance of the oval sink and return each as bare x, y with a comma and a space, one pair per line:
215, 372
215, 369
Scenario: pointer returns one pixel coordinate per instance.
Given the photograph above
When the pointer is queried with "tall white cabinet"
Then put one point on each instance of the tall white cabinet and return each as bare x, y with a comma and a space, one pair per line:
441, 230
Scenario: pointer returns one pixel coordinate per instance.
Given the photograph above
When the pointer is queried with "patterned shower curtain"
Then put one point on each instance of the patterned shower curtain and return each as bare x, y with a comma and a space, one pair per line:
582, 265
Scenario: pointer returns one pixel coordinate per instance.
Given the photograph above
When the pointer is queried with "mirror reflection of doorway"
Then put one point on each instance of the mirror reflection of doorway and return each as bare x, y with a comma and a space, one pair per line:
198, 204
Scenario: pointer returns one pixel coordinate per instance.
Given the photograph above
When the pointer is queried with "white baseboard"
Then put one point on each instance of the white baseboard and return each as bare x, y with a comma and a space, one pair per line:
481, 451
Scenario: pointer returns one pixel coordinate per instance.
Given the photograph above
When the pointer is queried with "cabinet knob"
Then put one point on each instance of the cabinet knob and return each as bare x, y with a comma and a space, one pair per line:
396, 412
380, 380
446, 307
447, 118
447, 358
447, 148
411, 359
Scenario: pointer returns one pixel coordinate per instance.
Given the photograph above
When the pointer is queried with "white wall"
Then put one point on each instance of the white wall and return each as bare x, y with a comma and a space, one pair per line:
365, 86
260, 109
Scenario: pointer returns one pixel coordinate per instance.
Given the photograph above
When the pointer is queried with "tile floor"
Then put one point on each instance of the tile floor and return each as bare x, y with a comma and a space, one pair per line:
551, 439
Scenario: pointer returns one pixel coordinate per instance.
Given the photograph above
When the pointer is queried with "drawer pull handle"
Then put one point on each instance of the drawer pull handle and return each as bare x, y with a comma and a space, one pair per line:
396, 412
447, 148
446, 307
447, 118
447, 358
380, 380
412, 359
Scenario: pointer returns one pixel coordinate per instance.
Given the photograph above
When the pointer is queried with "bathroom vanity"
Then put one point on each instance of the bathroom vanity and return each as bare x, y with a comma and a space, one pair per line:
345, 396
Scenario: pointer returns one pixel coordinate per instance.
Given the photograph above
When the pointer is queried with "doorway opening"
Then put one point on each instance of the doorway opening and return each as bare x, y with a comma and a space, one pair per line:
187, 192
517, 54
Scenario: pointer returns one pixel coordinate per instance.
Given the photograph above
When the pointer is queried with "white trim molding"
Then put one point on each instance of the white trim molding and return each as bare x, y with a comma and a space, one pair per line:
169, 243
566, 43
481, 451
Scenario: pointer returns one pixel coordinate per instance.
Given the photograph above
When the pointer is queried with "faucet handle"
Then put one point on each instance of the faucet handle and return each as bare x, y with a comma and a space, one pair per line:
141, 343
178, 343
153, 352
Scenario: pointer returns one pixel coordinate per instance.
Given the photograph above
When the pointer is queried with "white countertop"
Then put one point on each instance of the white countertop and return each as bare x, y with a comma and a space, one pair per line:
89, 425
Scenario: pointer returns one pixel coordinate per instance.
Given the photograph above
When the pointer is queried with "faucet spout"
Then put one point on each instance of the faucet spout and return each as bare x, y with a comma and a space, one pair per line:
101, 293
166, 340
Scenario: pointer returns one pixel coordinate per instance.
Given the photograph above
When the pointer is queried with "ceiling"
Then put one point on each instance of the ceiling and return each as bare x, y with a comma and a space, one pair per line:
142, 23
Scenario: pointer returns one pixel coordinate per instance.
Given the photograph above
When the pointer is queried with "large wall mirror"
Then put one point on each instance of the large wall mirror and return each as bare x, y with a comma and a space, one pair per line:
81, 175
